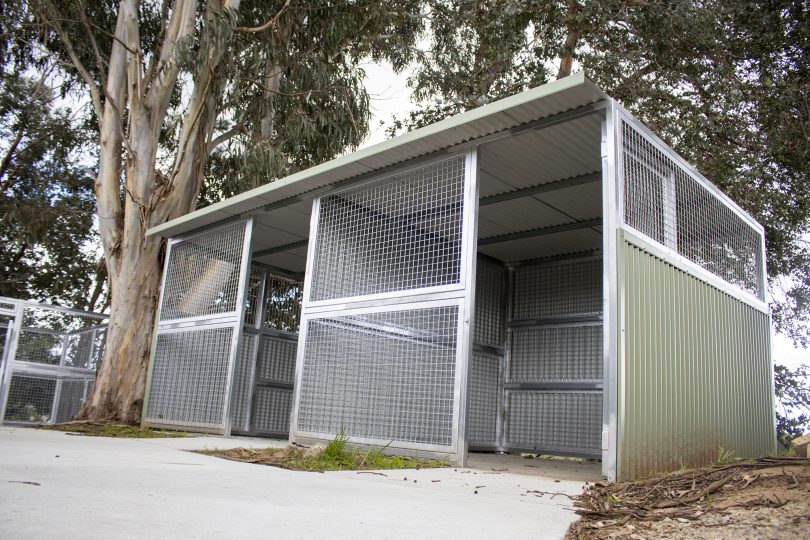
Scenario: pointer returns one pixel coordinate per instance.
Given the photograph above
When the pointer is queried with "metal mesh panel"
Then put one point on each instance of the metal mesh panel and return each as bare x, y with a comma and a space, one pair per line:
189, 377
83, 349
40, 347
556, 354
552, 290
716, 238
242, 381
202, 276
560, 421
397, 235
666, 203
387, 376
490, 301
282, 303
486, 386
271, 410
254, 286
30, 399
276, 360
71, 397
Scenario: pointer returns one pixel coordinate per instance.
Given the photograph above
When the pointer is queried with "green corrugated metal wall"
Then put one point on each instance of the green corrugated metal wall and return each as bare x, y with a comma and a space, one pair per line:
697, 371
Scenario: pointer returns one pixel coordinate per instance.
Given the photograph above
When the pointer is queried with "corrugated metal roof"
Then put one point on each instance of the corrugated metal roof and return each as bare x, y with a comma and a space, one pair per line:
547, 100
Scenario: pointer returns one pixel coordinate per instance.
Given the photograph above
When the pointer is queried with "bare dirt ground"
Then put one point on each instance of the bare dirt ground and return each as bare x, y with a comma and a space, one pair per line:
765, 498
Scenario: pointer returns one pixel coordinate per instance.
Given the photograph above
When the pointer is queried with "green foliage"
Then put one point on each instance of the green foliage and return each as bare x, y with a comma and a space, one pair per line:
793, 395
46, 196
337, 455
727, 84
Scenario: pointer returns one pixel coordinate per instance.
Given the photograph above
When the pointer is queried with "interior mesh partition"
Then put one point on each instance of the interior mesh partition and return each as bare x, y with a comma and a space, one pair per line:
243, 382
558, 289
282, 303
556, 339
387, 376
30, 399
486, 386
562, 421
189, 377
665, 202
275, 375
557, 354
272, 406
202, 276
489, 324
400, 233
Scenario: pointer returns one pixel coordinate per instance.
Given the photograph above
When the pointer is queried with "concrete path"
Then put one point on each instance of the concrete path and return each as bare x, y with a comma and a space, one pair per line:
89, 487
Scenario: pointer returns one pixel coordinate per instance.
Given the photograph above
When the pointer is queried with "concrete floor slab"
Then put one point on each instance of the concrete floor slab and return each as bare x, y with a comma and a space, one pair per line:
55, 485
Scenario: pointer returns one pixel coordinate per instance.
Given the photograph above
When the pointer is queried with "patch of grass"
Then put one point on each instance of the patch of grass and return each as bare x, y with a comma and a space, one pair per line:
337, 455
102, 429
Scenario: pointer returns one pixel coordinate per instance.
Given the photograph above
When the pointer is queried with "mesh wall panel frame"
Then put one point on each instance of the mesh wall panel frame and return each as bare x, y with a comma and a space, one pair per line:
664, 200
554, 421
401, 233
199, 330
382, 375
427, 270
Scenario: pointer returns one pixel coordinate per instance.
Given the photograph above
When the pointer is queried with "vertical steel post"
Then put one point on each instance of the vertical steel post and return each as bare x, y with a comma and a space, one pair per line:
469, 243
237, 338
611, 195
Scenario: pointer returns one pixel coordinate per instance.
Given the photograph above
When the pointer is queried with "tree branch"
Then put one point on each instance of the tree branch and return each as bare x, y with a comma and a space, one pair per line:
93, 43
225, 137
271, 22
84, 73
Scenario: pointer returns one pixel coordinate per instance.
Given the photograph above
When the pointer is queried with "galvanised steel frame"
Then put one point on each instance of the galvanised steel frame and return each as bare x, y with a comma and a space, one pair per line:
233, 320
11, 365
460, 294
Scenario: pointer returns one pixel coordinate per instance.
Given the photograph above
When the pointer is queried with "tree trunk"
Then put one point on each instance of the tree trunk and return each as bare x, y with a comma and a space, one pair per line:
118, 391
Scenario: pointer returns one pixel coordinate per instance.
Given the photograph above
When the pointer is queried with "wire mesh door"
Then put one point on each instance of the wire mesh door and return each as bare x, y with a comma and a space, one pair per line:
199, 330
384, 337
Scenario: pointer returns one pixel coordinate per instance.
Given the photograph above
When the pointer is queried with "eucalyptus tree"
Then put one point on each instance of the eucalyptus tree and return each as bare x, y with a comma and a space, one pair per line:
264, 87
727, 84
46, 197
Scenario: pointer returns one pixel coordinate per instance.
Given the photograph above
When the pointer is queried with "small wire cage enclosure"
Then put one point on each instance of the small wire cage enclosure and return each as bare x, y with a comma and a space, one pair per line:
49, 360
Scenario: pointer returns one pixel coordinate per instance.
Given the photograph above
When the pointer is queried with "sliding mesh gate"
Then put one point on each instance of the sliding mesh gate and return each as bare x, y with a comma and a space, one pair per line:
199, 324
384, 325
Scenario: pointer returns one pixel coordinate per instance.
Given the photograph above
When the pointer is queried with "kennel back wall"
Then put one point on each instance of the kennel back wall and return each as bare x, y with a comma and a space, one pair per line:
382, 354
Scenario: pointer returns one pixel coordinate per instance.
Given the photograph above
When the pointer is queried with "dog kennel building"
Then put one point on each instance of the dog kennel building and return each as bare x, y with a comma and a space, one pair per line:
540, 274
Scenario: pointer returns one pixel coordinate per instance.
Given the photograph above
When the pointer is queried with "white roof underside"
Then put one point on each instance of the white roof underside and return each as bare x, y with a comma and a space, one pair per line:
531, 158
